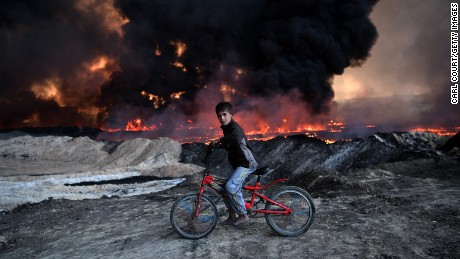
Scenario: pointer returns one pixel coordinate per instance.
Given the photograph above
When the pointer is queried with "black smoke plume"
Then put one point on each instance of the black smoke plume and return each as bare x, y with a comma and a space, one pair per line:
265, 53
46, 47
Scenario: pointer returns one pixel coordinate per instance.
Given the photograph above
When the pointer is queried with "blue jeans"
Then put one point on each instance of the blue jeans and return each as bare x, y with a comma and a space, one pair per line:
233, 187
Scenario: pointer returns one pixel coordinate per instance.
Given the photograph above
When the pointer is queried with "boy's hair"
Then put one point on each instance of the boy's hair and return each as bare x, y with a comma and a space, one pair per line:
224, 106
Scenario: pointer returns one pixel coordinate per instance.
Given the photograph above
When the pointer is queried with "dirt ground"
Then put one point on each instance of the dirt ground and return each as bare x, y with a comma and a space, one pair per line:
394, 210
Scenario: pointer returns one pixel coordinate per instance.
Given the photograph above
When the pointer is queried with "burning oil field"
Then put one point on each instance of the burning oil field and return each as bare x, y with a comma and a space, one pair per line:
106, 108
161, 67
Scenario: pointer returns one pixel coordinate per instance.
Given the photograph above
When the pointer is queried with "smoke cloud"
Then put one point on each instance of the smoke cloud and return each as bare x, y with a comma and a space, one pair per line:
103, 63
49, 56
406, 82
246, 52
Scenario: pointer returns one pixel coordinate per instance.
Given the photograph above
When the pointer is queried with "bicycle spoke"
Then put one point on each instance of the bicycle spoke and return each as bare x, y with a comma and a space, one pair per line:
301, 216
205, 218
183, 217
188, 207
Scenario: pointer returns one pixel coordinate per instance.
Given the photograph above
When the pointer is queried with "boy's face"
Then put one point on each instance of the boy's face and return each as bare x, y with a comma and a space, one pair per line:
224, 117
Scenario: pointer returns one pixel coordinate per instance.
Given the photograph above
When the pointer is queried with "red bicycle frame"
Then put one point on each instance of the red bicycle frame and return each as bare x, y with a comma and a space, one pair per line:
218, 184
286, 210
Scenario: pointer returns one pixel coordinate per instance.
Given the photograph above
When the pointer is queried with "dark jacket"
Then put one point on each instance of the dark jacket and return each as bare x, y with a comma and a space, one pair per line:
236, 144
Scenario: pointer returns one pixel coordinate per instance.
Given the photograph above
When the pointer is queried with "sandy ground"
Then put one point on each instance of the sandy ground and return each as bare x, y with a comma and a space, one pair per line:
32, 169
393, 210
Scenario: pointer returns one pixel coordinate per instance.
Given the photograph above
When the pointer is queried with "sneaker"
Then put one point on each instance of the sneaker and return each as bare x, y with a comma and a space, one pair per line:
226, 222
241, 220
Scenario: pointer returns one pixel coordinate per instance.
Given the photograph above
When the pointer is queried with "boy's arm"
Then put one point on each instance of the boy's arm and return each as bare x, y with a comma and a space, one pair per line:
217, 143
229, 140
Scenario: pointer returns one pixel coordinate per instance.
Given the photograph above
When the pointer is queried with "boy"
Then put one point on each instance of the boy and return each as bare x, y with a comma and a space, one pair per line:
241, 159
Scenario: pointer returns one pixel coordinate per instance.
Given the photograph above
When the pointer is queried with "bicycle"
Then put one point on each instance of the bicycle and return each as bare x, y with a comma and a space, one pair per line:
289, 211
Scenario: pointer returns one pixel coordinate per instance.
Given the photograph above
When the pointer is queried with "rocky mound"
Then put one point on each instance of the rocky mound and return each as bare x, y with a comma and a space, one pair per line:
84, 153
452, 146
297, 154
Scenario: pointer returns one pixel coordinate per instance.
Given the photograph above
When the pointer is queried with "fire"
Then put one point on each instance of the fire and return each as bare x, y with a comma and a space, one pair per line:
336, 126
191, 131
238, 73
49, 90
179, 65
263, 129
176, 95
329, 141
157, 51
300, 128
98, 64
138, 125
439, 131
181, 47
157, 100
314, 128
98, 69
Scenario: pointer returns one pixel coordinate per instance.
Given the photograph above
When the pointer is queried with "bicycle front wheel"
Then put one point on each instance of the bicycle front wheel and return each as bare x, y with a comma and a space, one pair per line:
302, 216
183, 221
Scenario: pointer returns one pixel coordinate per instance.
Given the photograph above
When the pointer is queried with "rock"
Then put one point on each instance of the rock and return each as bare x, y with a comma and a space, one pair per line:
294, 155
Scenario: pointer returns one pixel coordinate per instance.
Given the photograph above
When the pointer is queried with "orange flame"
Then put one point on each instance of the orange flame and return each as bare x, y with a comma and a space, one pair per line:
98, 64
335, 126
238, 73
179, 65
99, 68
181, 47
438, 131
49, 90
157, 100
138, 125
157, 51
176, 95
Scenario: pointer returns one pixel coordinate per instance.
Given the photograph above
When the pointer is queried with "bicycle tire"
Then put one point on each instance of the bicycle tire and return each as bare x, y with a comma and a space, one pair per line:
302, 216
182, 221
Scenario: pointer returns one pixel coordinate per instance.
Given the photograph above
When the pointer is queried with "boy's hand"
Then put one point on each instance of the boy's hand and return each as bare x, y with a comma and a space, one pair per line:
215, 143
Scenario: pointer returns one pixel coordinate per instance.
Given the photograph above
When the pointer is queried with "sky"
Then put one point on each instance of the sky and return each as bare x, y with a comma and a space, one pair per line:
411, 55
409, 64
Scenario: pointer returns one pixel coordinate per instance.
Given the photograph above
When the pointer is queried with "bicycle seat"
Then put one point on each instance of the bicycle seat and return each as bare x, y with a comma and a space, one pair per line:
263, 170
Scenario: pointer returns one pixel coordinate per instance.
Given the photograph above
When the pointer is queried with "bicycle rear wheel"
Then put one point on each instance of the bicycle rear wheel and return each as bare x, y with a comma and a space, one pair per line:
182, 221
302, 216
